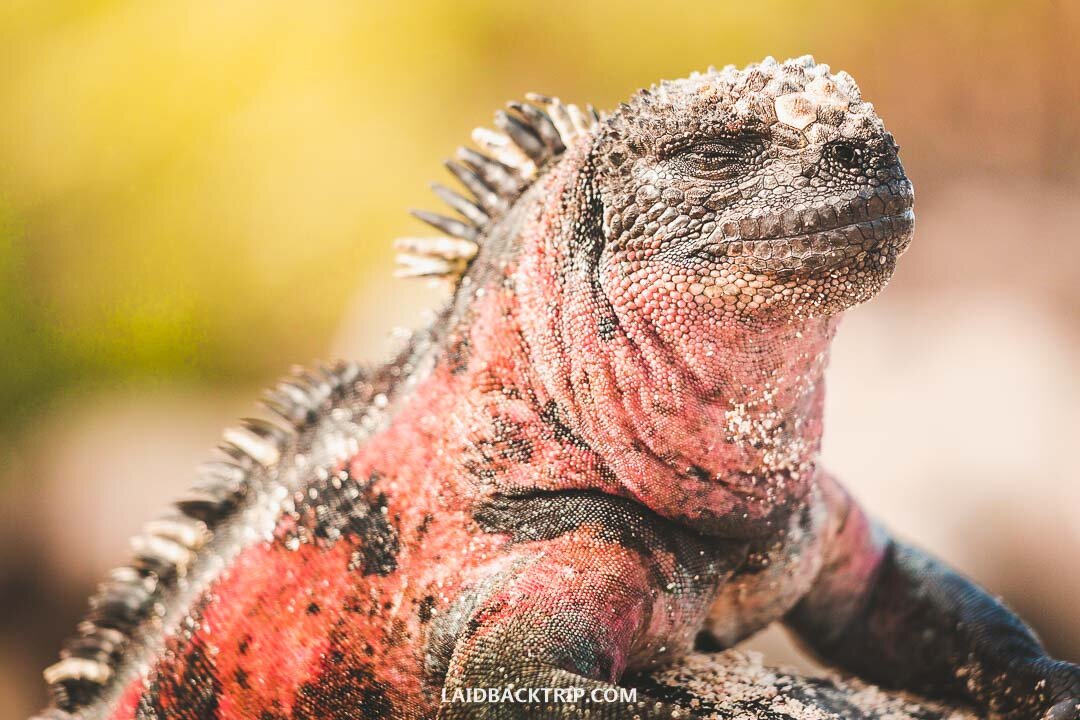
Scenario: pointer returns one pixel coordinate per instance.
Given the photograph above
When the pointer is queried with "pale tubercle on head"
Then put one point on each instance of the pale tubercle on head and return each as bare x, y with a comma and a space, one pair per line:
797, 93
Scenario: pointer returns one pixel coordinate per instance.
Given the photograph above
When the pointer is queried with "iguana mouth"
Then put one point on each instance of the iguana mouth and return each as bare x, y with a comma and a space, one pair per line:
824, 238
866, 234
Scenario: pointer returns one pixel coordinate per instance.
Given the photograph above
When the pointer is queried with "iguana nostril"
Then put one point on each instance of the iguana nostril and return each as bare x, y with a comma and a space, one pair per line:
846, 155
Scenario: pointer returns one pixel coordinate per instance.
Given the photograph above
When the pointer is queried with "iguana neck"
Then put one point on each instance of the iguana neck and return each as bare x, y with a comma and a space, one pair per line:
722, 434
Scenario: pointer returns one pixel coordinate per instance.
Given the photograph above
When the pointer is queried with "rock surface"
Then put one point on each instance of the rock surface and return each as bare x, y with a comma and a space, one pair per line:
735, 684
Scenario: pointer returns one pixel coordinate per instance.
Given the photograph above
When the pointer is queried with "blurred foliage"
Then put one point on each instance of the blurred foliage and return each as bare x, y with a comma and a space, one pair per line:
194, 189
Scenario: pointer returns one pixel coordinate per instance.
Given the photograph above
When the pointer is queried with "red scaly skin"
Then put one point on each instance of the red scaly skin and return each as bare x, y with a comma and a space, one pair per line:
674, 397
606, 446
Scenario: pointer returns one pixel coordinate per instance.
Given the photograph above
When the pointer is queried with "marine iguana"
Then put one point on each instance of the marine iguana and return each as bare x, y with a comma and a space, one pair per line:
603, 451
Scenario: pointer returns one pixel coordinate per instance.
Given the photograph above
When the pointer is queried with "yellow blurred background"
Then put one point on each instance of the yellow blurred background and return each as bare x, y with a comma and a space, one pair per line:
195, 195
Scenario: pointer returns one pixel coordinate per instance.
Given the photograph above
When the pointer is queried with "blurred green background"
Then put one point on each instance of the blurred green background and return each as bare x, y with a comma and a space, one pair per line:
195, 195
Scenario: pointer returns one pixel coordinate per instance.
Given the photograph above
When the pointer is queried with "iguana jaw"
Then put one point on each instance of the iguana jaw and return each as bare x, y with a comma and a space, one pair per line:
825, 248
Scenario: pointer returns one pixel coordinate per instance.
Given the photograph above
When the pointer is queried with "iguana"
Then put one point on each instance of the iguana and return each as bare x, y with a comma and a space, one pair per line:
603, 451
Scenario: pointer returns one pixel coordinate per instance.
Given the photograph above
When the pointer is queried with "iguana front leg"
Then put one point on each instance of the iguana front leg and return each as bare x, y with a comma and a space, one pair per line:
897, 616
559, 622
601, 591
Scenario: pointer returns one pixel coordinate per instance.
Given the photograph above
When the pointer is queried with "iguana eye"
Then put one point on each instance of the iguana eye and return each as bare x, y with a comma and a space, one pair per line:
712, 159
712, 151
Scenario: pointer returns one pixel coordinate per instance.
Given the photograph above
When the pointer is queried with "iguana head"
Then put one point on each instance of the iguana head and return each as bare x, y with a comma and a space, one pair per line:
771, 191
767, 193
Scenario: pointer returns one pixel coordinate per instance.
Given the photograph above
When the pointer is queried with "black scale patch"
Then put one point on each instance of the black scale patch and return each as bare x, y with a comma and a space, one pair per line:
505, 446
547, 515
338, 506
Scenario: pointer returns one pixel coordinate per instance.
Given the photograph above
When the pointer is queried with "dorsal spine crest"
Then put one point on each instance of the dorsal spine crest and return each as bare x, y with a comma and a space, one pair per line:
529, 137
163, 552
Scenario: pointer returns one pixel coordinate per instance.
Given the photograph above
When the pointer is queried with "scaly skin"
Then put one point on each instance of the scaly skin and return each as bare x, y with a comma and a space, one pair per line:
607, 445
